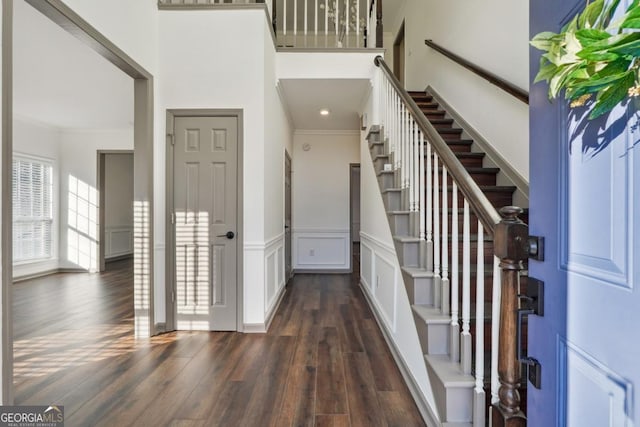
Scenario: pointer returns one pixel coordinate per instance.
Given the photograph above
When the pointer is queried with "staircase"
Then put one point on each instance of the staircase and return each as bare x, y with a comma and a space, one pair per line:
445, 325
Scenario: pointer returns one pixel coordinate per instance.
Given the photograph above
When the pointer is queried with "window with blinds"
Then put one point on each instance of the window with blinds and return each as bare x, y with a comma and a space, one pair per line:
32, 209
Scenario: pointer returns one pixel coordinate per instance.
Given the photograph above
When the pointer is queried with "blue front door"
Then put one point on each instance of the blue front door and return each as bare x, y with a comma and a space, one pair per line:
585, 201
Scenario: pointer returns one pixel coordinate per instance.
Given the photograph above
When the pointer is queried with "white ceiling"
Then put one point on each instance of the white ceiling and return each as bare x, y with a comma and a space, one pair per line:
61, 82
343, 97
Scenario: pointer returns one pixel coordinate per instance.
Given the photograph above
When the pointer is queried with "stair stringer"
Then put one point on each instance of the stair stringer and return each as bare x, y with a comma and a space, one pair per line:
397, 323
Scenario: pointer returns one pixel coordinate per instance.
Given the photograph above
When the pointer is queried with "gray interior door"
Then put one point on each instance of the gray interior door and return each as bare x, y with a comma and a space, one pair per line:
287, 217
205, 196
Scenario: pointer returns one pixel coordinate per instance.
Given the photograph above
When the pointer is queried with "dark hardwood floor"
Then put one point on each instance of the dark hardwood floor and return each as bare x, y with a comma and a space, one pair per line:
323, 362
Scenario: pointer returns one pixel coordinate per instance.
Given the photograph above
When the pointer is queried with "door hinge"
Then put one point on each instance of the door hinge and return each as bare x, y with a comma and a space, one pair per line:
173, 141
173, 296
173, 218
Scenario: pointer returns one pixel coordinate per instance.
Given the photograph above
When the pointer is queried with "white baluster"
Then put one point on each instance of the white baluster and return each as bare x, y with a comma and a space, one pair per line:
436, 234
412, 203
337, 3
495, 328
403, 154
465, 343
357, 23
429, 209
445, 243
295, 22
346, 23
421, 198
479, 407
326, 22
284, 21
455, 327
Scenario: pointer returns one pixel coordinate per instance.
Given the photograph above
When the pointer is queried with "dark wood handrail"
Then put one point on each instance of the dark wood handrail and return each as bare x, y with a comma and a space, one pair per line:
478, 202
514, 90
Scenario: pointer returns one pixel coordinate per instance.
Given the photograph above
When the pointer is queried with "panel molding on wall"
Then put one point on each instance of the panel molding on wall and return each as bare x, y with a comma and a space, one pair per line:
270, 255
118, 241
382, 278
321, 249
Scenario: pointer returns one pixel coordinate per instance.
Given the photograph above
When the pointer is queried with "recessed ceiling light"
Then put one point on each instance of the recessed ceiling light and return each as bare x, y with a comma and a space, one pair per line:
324, 112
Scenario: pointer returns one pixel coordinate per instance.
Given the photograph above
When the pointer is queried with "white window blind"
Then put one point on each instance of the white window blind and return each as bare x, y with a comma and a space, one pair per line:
32, 209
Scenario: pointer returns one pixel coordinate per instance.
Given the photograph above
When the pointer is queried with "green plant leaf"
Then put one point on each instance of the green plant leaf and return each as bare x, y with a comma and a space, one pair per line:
557, 82
608, 14
590, 14
545, 72
544, 41
631, 23
610, 97
590, 36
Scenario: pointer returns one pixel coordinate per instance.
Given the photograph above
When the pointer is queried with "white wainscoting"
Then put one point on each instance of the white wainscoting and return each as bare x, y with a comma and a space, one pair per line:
118, 241
321, 249
380, 275
264, 282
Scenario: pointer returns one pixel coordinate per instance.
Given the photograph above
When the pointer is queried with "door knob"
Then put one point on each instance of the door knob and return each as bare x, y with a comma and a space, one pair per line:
230, 235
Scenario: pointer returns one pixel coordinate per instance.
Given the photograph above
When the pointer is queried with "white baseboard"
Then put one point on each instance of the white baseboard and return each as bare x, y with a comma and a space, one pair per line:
39, 274
261, 328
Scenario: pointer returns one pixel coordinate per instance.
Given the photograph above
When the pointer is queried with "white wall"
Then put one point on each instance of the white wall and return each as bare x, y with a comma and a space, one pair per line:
321, 198
78, 192
130, 25
493, 34
118, 204
41, 140
278, 137
224, 59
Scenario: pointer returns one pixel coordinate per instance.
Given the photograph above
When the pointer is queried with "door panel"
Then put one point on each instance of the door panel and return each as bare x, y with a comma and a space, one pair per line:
205, 200
582, 181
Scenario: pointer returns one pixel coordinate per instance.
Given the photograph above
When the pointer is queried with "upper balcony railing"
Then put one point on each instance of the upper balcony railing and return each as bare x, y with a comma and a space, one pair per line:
314, 24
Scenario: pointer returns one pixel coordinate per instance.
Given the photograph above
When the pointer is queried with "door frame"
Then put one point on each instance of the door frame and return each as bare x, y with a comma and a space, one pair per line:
170, 280
73, 23
396, 54
352, 166
287, 156
101, 186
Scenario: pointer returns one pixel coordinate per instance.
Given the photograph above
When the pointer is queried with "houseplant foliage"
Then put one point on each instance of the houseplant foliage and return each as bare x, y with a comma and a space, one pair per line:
594, 58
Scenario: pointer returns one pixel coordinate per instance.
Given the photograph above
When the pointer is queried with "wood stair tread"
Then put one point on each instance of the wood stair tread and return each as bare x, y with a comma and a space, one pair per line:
436, 122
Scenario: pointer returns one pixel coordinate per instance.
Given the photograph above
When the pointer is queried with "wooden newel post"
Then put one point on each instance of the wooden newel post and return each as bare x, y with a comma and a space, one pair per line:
510, 244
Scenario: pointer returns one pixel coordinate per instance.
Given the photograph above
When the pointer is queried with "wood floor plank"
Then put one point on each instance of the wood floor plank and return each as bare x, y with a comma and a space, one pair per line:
267, 395
331, 395
364, 407
398, 411
332, 421
323, 362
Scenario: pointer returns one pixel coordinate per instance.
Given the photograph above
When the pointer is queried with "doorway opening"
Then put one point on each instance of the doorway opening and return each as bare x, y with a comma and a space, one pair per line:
141, 133
398, 55
115, 206
354, 215
288, 269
